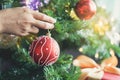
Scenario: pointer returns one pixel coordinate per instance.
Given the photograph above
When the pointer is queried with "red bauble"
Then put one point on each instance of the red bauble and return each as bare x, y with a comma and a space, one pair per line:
44, 50
85, 9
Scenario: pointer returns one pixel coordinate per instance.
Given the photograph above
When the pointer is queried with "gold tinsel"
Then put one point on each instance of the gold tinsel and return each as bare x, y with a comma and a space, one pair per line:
73, 15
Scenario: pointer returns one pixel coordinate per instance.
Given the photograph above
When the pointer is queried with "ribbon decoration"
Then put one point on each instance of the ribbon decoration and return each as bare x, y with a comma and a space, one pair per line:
90, 69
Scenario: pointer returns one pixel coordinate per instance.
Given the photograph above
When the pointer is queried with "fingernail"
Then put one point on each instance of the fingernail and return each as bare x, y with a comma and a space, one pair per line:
54, 20
51, 26
48, 26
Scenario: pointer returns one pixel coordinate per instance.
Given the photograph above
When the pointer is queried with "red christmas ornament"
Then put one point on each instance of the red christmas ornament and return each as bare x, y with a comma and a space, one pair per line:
44, 50
85, 9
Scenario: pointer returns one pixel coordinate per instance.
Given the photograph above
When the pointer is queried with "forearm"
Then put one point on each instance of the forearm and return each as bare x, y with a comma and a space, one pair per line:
1, 21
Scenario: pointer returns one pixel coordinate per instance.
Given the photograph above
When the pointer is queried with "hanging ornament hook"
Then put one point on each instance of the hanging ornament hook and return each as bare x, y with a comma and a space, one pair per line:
48, 34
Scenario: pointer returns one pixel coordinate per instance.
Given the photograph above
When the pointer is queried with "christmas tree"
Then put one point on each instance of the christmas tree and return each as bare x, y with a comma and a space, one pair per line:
91, 33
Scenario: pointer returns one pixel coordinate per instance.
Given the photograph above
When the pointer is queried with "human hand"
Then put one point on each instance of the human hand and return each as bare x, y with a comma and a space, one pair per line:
21, 21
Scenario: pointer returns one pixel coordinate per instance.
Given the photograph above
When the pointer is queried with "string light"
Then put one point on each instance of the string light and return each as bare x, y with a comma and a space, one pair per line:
97, 55
81, 49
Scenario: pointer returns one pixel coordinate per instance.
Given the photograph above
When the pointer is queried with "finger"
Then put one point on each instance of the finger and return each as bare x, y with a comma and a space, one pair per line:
23, 34
34, 30
43, 25
41, 16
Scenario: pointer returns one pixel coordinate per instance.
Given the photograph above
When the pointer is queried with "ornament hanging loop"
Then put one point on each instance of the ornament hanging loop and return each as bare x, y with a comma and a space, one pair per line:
48, 34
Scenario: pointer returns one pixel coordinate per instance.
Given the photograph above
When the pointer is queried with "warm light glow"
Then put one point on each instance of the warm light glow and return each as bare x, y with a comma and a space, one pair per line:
100, 23
97, 55
81, 49
101, 26
112, 52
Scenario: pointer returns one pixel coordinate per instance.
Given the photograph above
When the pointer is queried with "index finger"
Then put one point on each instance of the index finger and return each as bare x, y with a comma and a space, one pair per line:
43, 17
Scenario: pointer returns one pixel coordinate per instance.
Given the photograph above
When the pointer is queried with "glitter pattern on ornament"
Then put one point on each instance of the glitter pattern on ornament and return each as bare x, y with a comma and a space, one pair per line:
44, 50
